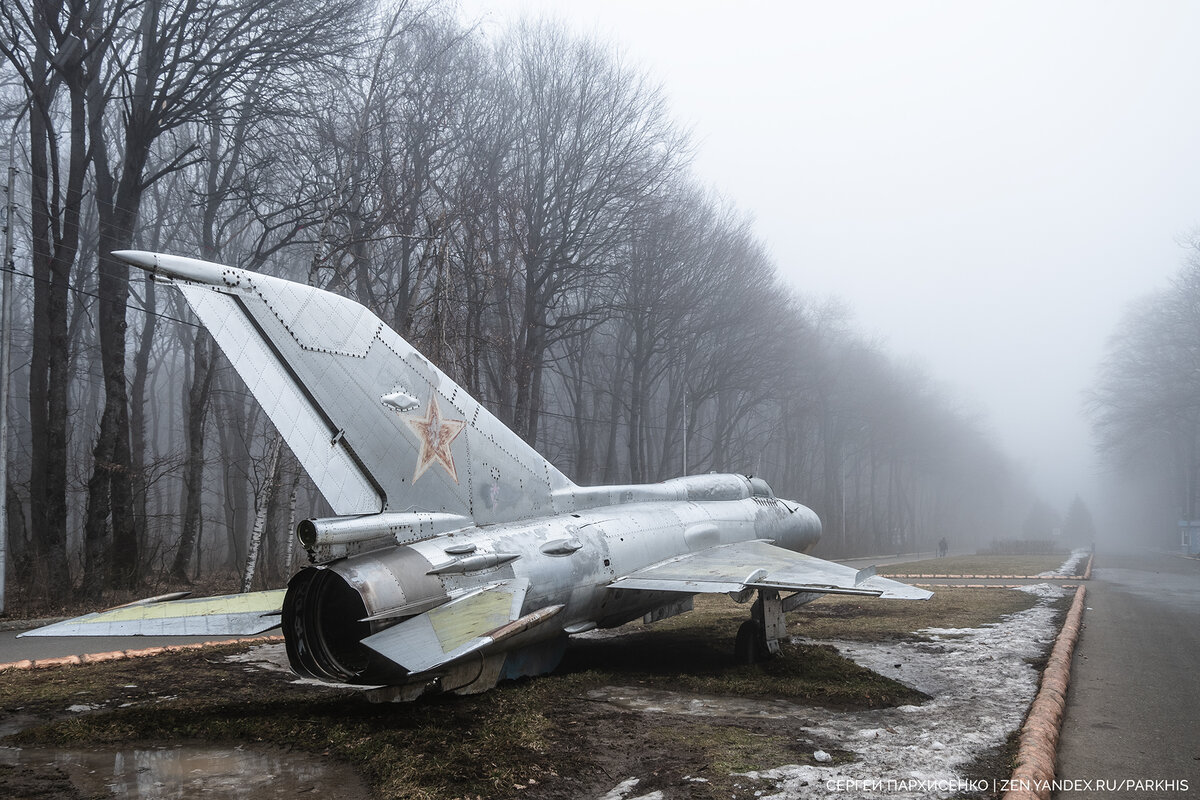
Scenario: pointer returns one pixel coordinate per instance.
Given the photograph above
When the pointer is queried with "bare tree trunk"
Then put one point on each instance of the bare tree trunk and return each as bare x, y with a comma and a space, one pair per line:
611, 462
290, 558
137, 403
117, 200
197, 411
260, 517
55, 215
17, 531
281, 487
668, 462
237, 431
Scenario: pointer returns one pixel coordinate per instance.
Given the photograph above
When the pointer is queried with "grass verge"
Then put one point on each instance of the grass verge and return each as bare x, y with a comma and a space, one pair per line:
871, 620
977, 565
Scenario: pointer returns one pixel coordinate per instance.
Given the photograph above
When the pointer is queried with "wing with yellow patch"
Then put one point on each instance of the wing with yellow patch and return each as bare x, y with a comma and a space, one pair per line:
178, 615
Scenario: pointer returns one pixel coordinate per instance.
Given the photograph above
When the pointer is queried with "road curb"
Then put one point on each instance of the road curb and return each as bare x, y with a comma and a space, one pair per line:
117, 655
1034, 774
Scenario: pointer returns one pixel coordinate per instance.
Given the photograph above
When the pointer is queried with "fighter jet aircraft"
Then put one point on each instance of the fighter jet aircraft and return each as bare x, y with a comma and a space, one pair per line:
459, 556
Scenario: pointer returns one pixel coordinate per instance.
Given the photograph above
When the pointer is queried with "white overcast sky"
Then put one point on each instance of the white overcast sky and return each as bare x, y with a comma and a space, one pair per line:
985, 184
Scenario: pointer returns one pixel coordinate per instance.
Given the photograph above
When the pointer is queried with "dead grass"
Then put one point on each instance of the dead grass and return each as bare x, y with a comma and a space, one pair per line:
522, 734
977, 565
873, 620
863, 619
732, 748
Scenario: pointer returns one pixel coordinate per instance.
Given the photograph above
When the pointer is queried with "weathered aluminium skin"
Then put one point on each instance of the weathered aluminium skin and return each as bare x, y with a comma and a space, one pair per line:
460, 556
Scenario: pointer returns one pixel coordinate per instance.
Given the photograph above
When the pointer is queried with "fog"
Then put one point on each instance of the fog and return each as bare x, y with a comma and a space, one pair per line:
985, 185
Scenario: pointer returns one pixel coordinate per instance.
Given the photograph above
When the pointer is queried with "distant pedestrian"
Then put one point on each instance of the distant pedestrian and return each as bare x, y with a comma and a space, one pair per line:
943, 548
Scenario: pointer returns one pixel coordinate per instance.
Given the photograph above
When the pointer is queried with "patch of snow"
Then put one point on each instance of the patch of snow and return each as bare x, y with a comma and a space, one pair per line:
1043, 590
937, 633
662, 701
626, 786
623, 788
1068, 567
980, 685
79, 708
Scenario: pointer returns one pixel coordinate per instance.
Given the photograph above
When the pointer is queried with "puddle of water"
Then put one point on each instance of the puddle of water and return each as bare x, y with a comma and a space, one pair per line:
15, 723
192, 771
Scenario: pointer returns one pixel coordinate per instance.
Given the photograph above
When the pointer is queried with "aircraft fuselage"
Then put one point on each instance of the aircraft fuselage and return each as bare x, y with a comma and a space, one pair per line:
569, 561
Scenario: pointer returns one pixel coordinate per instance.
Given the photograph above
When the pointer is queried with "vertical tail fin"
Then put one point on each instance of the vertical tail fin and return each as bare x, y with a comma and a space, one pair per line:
376, 425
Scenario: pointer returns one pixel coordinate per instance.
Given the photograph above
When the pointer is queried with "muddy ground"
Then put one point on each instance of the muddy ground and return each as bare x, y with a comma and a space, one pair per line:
554, 737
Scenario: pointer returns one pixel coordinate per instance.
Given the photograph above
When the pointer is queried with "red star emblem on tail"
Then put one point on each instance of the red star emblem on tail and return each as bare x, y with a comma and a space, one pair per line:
435, 434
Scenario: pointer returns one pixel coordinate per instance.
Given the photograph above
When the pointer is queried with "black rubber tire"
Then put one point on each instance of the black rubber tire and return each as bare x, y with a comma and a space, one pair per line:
749, 647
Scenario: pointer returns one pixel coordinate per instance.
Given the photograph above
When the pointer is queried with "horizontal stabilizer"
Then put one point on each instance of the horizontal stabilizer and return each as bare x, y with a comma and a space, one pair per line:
760, 565
224, 615
460, 627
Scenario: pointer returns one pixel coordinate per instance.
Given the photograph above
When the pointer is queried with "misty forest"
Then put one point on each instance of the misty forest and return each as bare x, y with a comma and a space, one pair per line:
518, 205
1146, 405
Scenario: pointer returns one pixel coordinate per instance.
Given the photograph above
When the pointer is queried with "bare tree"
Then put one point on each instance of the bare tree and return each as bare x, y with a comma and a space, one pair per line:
47, 46
1146, 404
521, 210
177, 66
592, 142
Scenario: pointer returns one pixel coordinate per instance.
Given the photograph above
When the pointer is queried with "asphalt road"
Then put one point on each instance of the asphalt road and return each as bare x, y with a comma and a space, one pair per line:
1133, 710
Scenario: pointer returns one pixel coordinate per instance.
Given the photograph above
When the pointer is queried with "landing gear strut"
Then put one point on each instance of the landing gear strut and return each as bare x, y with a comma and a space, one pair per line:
758, 637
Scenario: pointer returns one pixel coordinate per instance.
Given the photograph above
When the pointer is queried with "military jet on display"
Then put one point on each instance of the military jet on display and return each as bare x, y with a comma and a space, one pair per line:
459, 556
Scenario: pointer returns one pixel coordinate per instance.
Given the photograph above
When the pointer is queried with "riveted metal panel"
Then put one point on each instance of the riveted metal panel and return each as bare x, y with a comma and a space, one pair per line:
373, 421
306, 430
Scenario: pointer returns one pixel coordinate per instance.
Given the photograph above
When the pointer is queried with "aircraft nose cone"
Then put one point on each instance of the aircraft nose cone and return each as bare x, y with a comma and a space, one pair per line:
803, 526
